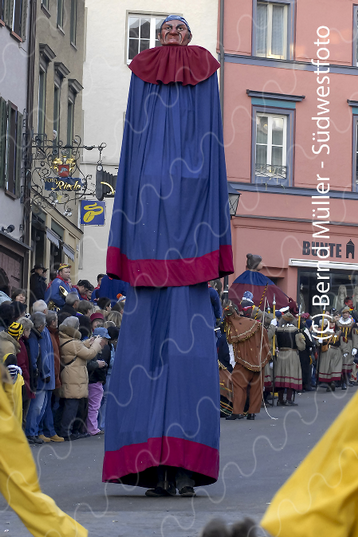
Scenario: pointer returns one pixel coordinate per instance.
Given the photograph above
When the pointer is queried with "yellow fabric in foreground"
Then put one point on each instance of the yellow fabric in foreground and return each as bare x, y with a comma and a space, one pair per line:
321, 497
19, 483
14, 395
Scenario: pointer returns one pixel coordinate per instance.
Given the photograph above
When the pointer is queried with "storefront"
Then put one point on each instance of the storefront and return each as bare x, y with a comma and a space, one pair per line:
290, 259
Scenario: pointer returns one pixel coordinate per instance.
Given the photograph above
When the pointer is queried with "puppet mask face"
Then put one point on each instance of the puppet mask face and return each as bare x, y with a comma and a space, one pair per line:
174, 33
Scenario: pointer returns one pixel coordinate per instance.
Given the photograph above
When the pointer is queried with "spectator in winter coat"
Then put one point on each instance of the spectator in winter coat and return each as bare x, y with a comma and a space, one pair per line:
41, 371
74, 376
97, 369
23, 361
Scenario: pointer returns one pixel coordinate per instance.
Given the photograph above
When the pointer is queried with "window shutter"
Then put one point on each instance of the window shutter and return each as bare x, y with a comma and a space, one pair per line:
24, 19
19, 151
9, 12
3, 126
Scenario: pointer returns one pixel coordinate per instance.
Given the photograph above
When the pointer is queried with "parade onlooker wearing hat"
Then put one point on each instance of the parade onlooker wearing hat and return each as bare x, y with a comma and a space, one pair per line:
97, 319
59, 287
37, 283
97, 370
9, 343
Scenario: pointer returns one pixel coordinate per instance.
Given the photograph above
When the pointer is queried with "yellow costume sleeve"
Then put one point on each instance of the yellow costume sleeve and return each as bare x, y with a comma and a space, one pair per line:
19, 483
321, 497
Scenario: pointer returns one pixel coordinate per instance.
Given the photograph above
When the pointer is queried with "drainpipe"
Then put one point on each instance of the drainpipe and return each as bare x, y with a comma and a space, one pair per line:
28, 135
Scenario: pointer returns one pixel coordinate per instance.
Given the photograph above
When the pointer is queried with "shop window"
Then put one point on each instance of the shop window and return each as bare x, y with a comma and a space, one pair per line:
342, 284
273, 33
142, 33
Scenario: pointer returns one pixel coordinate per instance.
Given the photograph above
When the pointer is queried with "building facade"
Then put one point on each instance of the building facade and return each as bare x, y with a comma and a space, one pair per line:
55, 121
133, 27
14, 30
290, 130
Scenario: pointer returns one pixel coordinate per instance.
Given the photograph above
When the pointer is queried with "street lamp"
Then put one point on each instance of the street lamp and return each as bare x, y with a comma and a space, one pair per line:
234, 198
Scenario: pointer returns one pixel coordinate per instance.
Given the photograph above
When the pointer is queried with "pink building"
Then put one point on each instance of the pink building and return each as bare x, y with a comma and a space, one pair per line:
290, 99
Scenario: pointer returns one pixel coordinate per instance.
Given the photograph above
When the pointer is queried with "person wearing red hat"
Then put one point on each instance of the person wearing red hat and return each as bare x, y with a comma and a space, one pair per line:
60, 286
97, 319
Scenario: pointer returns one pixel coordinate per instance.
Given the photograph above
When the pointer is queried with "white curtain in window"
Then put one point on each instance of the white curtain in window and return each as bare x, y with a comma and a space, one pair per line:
261, 30
277, 30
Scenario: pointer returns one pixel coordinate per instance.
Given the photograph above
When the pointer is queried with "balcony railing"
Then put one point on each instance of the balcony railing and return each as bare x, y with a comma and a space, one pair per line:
271, 175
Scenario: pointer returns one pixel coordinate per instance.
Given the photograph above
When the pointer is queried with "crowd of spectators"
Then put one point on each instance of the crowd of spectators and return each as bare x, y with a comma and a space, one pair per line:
59, 353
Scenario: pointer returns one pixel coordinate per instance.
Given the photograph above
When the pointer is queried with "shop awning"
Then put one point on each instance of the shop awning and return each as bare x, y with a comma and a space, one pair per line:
53, 237
67, 250
312, 263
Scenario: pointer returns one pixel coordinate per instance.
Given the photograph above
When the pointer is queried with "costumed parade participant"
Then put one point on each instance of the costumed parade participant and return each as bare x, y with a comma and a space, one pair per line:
259, 285
170, 235
306, 356
58, 289
321, 497
330, 357
349, 343
18, 477
287, 367
252, 352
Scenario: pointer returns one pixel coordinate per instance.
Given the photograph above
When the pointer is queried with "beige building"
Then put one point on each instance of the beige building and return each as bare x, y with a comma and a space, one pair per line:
57, 181
116, 31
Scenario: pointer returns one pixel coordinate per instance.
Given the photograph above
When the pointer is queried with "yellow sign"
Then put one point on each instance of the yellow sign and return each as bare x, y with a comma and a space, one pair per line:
90, 211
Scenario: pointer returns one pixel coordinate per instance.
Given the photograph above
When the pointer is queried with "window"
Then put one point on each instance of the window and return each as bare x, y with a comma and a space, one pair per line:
355, 35
56, 109
73, 29
42, 102
45, 3
60, 13
70, 118
272, 146
271, 135
2, 10
14, 15
142, 34
271, 30
17, 17
355, 150
10, 147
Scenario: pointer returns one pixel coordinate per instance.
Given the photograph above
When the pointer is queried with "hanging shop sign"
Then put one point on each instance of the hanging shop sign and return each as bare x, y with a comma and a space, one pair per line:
92, 212
69, 184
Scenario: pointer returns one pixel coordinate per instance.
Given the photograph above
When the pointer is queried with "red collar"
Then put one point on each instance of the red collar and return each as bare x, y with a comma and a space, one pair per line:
171, 64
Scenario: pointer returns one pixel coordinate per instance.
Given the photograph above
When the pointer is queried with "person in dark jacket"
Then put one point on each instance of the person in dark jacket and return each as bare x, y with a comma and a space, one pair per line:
23, 361
37, 283
41, 372
97, 373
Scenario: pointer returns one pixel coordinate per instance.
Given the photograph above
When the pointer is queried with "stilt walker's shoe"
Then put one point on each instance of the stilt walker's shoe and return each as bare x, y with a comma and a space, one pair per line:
187, 492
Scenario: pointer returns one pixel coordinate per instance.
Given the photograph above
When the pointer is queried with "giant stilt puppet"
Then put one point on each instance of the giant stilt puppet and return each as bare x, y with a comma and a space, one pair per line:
170, 234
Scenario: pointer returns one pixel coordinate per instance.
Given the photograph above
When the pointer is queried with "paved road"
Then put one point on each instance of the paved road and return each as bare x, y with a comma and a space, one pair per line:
256, 459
